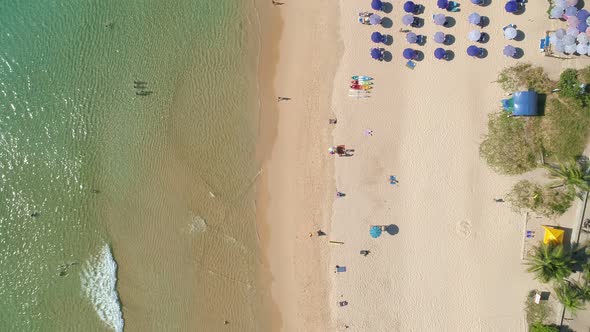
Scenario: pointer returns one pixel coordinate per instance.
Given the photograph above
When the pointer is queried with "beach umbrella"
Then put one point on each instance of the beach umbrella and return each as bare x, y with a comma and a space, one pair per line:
408, 19
582, 48
560, 33
375, 231
473, 50
377, 4
571, 11
442, 4
376, 53
477, 2
439, 19
440, 53
474, 35
553, 38
510, 33
588, 31
582, 15
439, 37
377, 37
474, 18
509, 50
571, 2
409, 7
559, 46
570, 49
557, 12
569, 40
511, 6
411, 37
572, 32
409, 53
374, 19
560, 3
582, 38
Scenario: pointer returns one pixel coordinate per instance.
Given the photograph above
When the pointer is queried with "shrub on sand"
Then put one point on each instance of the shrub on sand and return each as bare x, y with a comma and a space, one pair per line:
543, 328
536, 314
524, 76
549, 202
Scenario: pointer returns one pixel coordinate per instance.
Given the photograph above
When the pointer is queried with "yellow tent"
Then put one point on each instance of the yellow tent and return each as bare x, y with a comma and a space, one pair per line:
552, 235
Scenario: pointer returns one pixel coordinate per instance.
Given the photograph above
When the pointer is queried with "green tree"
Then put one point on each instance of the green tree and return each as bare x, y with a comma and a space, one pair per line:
570, 175
568, 84
550, 262
570, 294
538, 327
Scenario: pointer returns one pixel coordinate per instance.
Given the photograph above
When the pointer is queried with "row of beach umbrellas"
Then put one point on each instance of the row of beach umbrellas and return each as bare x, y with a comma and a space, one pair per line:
570, 41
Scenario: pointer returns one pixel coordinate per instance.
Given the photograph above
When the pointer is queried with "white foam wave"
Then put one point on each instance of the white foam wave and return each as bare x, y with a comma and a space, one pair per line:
99, 278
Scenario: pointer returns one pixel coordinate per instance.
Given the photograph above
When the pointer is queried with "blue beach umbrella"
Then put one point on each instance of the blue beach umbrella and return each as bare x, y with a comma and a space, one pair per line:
407, 19
375, 231
374, 19
377, 4
439, 37
439, 19
473, 50
511, 6
474, 18
442, 4
376, 37
411, 37
477, 2
376, 53
440, 53
409, 7
409, 53
509, 50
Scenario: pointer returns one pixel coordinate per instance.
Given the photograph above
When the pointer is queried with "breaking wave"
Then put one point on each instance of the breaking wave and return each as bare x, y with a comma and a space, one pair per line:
99, 278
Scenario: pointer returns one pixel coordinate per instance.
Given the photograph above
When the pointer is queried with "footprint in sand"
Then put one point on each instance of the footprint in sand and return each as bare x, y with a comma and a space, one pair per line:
463, 229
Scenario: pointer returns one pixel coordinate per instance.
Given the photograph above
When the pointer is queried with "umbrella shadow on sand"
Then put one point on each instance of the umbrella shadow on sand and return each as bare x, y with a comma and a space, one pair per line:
386, 22
419, 56
519, 35
450, 22
484, 21
449, 40
519, 53
450, 55
388, 40
387, 57
392, 229
386, 7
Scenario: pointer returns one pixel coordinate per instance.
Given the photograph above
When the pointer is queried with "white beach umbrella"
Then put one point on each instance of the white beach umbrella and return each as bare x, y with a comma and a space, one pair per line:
572, 32
560, 33
560, 3
571, 2
559, 46
582, 48
510, 33
582, 38
573, 21
569, 40
570, 49
474, 35
571, 11
557, 12
553, 38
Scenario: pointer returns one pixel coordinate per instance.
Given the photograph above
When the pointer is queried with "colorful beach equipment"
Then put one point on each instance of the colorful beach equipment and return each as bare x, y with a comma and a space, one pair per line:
474, 18
377, 37
439, 19
439, 37
553, 235
440, 53
411, 37
509, 51
410, 53
375, 231
474, 51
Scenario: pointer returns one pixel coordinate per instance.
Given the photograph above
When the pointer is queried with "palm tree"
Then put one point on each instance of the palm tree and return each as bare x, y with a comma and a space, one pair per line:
572, 175
550, 262
570, 294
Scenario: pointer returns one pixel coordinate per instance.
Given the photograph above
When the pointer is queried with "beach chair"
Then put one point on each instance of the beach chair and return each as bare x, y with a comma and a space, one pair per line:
340, 269
411, 64
453, 7
393, 180
421, 39
544, 44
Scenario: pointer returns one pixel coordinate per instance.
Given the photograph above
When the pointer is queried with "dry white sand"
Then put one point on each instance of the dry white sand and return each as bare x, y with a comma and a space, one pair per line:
455, 264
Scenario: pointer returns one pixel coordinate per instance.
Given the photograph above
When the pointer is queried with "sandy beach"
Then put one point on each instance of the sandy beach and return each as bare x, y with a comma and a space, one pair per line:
454, 259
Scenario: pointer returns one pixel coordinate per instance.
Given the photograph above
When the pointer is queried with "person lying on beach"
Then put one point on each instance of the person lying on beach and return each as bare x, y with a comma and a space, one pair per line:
283, 98
276, 3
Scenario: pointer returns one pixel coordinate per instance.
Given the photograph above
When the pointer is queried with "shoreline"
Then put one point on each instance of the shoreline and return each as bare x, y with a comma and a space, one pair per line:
293, 191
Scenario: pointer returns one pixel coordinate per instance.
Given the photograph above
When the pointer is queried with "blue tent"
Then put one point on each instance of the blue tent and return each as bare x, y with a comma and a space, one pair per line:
375, 231
522, 103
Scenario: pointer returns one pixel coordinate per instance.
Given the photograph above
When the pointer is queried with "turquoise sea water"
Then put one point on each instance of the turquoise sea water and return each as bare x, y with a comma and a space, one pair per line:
92, 173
